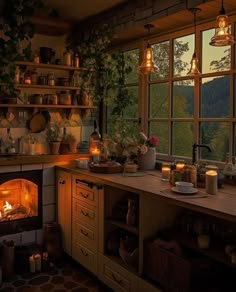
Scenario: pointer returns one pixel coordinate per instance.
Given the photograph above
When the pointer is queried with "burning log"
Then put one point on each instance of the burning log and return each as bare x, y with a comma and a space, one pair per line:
16, 209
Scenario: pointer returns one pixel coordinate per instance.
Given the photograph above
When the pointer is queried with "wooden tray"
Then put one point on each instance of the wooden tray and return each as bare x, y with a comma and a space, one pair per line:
106, 169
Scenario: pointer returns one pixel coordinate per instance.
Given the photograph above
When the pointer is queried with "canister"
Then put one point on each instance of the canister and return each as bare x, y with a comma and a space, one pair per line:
65, 97
67, 58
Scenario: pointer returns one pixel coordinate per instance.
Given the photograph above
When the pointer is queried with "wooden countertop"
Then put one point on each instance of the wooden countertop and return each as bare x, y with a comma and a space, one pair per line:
222, 205
34, 159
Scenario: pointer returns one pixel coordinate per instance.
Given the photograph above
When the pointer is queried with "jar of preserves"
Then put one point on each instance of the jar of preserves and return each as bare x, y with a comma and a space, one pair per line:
65, 97
67, 58
51, 79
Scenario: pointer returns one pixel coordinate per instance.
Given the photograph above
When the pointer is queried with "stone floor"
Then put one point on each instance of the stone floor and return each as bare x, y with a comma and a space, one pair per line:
62, 277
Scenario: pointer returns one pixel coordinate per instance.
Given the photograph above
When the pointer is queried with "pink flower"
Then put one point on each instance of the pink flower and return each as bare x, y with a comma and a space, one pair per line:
143, 136
152, 141
143, 149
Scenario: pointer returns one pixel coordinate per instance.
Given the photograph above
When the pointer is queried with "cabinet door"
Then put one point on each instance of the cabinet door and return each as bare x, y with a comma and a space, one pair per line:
64, 208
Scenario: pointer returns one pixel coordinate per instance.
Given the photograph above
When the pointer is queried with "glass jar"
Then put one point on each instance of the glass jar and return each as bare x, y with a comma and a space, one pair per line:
51, 79
67, 58
65, 97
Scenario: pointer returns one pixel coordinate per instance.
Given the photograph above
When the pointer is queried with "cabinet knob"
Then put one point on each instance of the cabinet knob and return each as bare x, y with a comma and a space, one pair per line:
84, 195
83, 232
84, 253
115, 279
85, 214
62, 182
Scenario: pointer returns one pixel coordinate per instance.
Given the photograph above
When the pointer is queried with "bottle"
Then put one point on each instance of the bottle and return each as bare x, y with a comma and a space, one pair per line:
94, 138
76, 60
131, 213
10, 142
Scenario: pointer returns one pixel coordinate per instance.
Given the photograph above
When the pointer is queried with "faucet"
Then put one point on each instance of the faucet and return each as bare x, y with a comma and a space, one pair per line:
194, 146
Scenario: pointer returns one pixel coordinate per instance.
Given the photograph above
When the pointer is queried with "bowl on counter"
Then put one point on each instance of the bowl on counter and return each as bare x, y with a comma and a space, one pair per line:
183, 186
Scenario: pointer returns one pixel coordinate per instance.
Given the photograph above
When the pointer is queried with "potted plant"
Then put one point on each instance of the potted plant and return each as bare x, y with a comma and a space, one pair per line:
68, 143
53, 137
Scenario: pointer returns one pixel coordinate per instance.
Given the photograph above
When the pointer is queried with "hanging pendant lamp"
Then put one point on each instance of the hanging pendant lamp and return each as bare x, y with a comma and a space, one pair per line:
223, 36
194, 71
147, 64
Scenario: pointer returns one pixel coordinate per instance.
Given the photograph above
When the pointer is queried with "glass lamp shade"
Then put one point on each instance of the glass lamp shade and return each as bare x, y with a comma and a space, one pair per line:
147, 65
222, 35
194, 71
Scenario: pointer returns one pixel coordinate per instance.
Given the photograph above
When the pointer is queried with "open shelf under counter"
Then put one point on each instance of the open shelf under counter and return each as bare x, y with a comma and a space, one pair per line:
123, 225
120, 262
50, 66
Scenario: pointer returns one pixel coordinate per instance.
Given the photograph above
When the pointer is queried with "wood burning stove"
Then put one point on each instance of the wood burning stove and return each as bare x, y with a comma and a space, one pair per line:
20, 201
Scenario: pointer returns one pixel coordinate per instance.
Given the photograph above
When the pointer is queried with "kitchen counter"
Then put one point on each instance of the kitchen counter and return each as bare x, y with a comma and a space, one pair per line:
222, 205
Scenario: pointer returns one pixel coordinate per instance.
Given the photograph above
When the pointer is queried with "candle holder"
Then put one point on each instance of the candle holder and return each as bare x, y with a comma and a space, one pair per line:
165, 171
179, 164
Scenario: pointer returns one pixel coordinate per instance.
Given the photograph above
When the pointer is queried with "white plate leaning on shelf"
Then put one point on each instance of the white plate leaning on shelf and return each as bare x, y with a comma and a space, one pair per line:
192, 191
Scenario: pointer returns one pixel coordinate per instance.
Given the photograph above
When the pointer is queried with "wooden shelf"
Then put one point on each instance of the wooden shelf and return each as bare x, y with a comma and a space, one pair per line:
216, 251
131, 229
120, 262
47, 106
31, 86
50, 66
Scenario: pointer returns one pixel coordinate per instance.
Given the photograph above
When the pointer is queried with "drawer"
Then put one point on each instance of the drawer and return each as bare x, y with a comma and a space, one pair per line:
86, 192
85, 256
84, 213
116, 277
83, 233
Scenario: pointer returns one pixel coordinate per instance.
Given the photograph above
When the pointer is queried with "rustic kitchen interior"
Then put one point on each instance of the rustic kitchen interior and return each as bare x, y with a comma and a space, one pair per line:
117, 144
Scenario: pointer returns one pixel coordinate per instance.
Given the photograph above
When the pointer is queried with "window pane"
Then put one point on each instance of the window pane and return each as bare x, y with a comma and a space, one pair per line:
183, 99
159, 100
131, 111
182, 139
160, 129
131, 59
161, 59
215, 135
214, 59
215, 97
183, 51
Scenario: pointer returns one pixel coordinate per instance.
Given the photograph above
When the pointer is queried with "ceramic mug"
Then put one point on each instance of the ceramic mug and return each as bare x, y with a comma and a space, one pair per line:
82, 163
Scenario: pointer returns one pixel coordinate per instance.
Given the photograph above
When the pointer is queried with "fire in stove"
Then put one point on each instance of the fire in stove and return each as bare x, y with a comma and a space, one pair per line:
18, 199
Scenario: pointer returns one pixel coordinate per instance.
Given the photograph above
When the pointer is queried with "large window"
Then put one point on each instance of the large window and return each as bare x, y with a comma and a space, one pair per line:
181, 109
184, 110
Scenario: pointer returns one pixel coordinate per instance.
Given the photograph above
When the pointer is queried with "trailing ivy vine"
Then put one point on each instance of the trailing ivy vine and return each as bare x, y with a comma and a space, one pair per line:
16, 29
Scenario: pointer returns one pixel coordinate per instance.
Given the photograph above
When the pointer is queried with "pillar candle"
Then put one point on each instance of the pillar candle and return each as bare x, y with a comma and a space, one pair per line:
37, 259
211, 182
179, 165
32, 264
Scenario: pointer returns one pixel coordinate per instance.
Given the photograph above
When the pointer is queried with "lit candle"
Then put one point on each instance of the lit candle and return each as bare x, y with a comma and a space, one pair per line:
211, 182
95, 154
179, 165
165, 171
32, 264
37, 259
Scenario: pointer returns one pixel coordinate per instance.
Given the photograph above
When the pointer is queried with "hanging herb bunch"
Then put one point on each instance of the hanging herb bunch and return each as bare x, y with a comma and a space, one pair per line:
15, 41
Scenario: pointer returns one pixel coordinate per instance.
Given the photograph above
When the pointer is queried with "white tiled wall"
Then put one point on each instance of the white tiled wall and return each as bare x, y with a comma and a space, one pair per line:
49, 202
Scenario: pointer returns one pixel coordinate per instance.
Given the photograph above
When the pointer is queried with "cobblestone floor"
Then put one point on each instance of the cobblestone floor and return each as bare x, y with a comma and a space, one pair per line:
66, 276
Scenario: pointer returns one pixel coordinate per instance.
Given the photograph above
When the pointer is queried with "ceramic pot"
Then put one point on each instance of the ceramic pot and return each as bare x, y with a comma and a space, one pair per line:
147, 161
54, 147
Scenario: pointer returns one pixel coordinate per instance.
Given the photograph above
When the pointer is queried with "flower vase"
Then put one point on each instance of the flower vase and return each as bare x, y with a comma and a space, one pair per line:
147, 161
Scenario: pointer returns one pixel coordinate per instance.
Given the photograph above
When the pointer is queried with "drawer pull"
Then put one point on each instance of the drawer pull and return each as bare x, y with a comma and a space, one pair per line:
83, 232
62, 182
85, 214
115, 279
84, 253
83, 195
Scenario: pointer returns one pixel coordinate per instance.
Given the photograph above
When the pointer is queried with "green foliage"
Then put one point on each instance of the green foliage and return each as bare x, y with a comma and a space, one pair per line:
15, 42
53, 133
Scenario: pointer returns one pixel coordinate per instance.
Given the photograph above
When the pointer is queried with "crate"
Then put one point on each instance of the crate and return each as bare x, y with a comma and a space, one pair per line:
174, 272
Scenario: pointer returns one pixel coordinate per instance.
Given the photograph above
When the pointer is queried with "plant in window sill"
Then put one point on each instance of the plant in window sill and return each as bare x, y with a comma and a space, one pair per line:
147, 142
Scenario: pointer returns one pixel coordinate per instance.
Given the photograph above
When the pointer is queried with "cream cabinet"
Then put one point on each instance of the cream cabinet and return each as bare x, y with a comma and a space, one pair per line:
64, 207
85, 197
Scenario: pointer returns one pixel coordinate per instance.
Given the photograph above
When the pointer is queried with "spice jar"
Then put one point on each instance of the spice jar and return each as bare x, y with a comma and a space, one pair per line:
67, 58
51, 79
65, 97
76, 60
